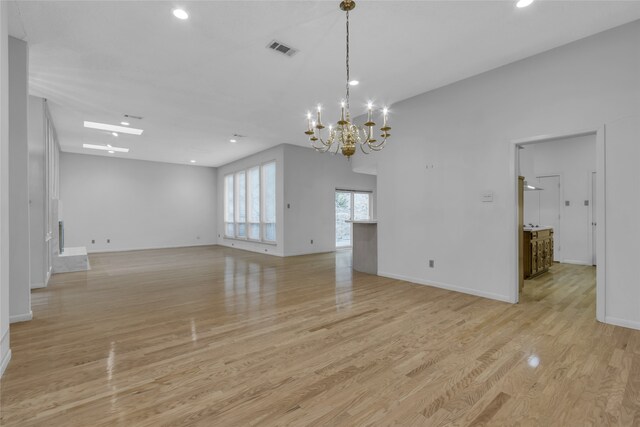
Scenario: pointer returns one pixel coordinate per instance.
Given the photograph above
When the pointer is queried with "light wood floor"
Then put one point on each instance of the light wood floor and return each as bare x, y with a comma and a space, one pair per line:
219, 337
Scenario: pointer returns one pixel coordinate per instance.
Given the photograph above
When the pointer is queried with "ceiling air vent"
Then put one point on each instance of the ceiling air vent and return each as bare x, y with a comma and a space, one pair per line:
282, 48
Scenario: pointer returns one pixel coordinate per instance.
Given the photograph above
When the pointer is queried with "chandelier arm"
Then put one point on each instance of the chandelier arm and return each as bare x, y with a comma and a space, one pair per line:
380, 144
363, 150
323, 144
322, 141
378, 147
322, 149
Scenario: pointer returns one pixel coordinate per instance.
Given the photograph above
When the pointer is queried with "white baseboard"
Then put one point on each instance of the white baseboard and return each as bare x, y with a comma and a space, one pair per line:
575, 262
38, 285
5, 362
461, 289
21, 317
145, 248
622, 322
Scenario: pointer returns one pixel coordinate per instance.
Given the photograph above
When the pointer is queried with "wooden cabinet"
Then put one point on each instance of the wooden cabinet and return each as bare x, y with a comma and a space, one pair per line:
538, 251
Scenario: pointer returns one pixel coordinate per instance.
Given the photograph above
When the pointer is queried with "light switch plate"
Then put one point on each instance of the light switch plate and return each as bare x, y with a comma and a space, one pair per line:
487, 196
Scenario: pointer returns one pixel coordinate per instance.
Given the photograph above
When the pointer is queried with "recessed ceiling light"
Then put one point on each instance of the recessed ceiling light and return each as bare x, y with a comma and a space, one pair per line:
114, 133
524, 3
111, 152
354, 83
124, 123
105, 148
180, 14
233, 140
112, 128
192, 161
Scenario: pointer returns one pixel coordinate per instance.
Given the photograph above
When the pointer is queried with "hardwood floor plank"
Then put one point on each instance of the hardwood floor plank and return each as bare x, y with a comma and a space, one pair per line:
216, 336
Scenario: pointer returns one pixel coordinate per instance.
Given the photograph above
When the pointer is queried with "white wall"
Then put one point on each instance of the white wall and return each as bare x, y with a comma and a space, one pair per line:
454, 143
37, 206
273, 154
310, 182
19, 270
574, 159
136, 204
5, 351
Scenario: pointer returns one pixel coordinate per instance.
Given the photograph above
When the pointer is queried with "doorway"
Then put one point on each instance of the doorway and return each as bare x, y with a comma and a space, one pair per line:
350, 205
565, 207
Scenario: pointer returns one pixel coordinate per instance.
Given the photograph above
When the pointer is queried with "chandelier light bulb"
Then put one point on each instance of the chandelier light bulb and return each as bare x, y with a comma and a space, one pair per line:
370, 105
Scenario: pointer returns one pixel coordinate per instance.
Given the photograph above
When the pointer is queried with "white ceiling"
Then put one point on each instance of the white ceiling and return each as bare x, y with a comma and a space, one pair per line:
197, 82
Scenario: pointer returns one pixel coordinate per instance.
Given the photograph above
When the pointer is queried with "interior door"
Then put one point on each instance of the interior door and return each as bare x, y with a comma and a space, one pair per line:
550, 203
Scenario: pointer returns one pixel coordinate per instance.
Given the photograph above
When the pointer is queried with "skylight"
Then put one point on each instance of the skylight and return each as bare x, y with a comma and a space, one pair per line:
105, 148
112, 128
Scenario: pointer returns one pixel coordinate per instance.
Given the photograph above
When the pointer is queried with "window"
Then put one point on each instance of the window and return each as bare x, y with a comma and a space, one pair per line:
350, 205
250, 204
241, 205
253, 202
229, 222
269, 196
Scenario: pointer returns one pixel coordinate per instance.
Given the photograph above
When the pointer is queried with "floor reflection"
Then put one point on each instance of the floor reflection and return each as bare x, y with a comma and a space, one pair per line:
344, 280
249, 287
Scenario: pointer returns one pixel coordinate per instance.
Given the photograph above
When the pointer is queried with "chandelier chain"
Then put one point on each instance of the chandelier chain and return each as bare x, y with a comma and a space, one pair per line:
348, 77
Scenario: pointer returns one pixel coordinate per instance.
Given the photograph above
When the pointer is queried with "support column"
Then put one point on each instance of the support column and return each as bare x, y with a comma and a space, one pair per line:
19, 255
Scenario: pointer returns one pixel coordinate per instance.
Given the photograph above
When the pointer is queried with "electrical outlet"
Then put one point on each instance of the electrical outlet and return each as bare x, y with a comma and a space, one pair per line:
567, 203
312, 241
197, 237
108, 240
93, 241
288, 205
432, 263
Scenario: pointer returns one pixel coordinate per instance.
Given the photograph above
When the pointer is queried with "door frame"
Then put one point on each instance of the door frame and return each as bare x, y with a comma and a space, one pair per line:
600, 134
592, 219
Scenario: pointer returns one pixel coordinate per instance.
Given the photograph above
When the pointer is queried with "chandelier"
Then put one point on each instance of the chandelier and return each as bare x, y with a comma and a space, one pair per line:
346, 135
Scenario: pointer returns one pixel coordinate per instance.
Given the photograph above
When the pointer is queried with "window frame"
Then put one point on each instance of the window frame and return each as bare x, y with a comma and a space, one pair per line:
247, 204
